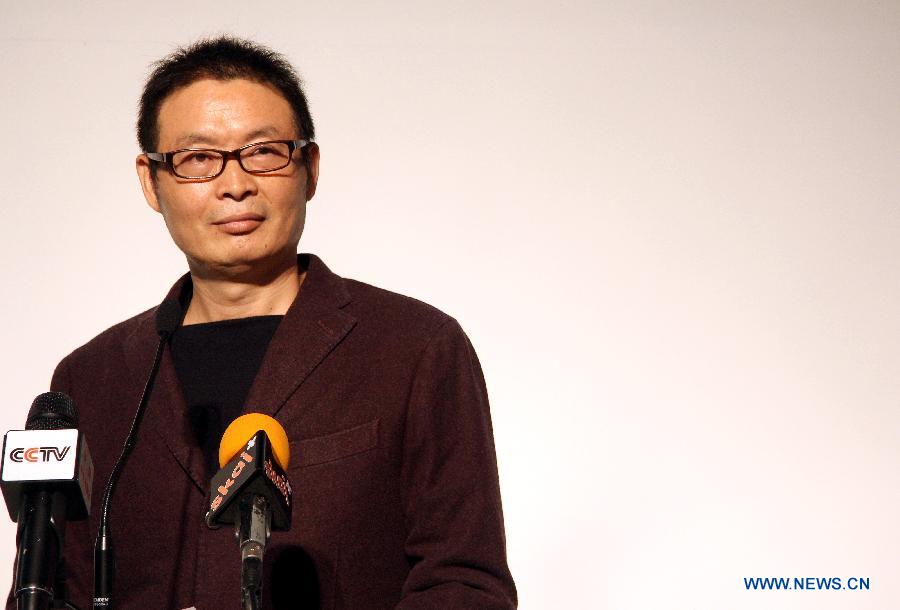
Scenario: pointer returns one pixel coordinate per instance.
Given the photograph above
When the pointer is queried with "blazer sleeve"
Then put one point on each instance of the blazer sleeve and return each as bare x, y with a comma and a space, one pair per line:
455, 540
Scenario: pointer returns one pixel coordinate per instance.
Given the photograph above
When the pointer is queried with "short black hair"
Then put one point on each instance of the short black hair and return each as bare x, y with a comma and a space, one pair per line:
221, 58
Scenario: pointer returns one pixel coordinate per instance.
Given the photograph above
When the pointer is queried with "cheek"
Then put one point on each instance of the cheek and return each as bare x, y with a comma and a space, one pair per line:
183, 215
290, 204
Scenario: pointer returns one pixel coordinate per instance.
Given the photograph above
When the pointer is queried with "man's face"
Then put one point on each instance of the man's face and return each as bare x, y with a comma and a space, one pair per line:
236, 222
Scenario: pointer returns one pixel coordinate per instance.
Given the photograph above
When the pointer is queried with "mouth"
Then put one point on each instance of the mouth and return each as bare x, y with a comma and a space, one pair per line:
239, 224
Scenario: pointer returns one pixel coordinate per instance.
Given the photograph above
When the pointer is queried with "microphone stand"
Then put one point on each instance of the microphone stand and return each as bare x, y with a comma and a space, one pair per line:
42, 517
252, 531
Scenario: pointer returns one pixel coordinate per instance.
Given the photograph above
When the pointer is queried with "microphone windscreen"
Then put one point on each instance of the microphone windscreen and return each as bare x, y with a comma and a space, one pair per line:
52, 411
242, 429
168, 317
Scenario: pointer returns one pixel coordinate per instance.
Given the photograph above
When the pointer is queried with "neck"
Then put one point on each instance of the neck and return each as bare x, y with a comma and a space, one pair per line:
219, 296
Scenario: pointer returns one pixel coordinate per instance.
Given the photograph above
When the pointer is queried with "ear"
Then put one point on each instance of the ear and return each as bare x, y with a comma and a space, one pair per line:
312, 169
148, 183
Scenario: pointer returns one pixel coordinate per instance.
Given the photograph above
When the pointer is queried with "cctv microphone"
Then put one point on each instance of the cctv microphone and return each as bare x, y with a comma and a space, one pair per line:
168, 317
252, 492
46, 480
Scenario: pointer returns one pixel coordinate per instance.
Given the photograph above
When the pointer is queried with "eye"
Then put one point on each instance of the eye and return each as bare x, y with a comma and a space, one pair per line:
190, 163
198, 156
270, 149
262, 150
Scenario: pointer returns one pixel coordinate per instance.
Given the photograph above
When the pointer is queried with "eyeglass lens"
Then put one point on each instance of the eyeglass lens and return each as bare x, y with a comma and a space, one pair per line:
264, 157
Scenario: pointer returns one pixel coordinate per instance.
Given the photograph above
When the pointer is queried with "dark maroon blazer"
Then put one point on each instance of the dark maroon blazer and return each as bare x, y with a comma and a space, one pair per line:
397, 502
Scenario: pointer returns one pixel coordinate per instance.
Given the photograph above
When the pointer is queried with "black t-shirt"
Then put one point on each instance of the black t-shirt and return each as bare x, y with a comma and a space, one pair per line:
216, 363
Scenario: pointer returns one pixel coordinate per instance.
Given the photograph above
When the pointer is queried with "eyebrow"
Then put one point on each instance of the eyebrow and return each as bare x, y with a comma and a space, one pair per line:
191, 139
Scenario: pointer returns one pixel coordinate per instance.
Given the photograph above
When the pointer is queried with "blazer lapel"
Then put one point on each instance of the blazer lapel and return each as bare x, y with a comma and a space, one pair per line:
313, 326
166, 414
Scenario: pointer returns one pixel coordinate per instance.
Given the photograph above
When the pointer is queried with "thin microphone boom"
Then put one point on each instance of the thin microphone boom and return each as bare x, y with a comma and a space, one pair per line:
168, 317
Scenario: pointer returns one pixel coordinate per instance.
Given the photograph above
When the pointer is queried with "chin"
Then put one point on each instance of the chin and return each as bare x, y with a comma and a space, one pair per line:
238, 263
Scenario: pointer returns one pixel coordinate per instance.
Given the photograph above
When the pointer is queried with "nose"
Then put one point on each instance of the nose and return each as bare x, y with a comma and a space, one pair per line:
234, 183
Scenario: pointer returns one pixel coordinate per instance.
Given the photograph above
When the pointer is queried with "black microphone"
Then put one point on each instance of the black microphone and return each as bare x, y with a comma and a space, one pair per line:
252, 492
168, 317
46, 481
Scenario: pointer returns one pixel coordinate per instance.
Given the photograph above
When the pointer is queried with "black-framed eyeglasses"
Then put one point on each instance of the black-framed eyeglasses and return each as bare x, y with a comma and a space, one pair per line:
207, 163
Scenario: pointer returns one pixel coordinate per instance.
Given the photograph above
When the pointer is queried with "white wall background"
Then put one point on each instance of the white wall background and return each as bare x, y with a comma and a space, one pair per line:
670, 228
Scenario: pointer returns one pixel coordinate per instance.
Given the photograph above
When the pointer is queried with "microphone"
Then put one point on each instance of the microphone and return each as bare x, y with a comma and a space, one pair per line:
168, 318
46, 480
252, 491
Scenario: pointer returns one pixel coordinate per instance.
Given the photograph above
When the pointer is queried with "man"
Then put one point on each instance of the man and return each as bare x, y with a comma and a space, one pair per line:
396, 495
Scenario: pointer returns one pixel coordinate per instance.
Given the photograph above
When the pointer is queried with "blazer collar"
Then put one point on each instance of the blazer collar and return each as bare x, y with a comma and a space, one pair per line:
312, 327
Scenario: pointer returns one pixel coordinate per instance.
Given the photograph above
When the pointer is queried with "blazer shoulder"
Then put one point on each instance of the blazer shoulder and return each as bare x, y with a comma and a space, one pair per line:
114, 340
399, 311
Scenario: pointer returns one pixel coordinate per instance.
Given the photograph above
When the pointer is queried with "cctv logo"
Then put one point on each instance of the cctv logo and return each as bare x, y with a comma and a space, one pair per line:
39, 454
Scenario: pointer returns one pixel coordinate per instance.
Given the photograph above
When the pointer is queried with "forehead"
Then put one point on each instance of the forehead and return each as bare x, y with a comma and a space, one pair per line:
223, 113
